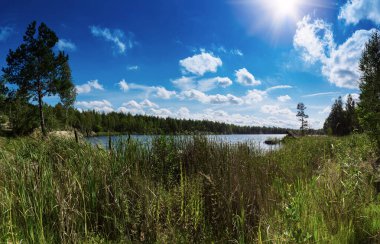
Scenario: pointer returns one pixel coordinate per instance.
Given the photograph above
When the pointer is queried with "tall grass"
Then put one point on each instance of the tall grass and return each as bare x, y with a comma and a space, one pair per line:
313, 189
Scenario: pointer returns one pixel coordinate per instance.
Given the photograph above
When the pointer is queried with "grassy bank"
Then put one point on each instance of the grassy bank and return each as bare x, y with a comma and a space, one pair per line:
314, 189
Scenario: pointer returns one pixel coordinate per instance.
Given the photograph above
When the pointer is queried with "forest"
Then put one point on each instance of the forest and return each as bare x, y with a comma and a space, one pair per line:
24, 119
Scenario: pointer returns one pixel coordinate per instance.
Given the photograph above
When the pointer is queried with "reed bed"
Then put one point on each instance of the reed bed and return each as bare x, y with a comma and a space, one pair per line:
311, 190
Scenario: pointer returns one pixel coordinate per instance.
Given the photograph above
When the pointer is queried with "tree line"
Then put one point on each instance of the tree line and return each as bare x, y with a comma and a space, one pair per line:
343, 119
24, 119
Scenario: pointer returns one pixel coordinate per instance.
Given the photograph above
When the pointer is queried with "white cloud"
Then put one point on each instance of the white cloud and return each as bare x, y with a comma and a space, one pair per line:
276, 110
321, 94
355, 10
197, 95
100, 106
314, 39
133, 111
144, 104
355, 97
209, 84
132, 105
342, 68
187, 83
66, 45
117, 37
149, 104
194, 94
162, 112
278, 87
326, 110
222, 99
86, 88
284, 98
123, 85
184, 83
161, 92
201, 63
245, 78
222, 49
237, 52
254, 96
133, 68
5, 32
183, 113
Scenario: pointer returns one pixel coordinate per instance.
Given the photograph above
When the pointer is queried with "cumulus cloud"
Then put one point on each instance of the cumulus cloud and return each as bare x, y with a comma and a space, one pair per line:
159, 91
188, 83
277, 110
255, 96
342, 68
66, 45
130, 110
149, 104
183, 113
245, 78
123, 85
161, 112
209, 84
252, 96
197, 95
5, 32
117, 37
201, 63
134, 107
184, 83
355, 10
314, 40
284, 98
86, 88
101, 106
132, 104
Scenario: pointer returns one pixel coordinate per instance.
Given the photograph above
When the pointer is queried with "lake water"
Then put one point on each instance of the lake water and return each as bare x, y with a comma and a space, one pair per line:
256, 140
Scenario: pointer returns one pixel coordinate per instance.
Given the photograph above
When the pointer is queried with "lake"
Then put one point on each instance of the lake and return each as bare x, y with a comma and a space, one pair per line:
256, 140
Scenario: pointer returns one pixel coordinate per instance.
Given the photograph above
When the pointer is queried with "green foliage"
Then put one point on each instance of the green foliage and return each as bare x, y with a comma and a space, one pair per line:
341, 121
36, 70
313, 189
23, 117
369, 106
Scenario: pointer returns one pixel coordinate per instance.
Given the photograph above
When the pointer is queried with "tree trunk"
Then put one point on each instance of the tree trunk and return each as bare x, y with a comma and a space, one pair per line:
42, 119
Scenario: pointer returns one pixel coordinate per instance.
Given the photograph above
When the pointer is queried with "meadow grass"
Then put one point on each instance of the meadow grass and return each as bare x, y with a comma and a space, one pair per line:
312, 190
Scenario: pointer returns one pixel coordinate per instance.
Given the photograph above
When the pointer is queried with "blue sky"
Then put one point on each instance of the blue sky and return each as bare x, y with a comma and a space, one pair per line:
247, 62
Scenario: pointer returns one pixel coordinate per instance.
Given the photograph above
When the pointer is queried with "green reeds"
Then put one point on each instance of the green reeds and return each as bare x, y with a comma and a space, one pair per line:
188, 190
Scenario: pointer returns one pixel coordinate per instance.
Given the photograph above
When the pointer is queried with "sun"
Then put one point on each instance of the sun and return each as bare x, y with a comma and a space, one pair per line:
282, 9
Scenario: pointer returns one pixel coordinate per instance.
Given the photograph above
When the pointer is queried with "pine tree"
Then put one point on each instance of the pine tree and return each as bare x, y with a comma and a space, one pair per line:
302, 117
351, 116
369, 106
336, 121
37, 70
